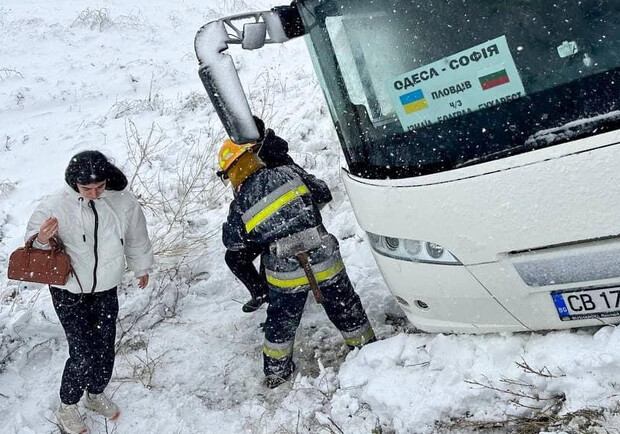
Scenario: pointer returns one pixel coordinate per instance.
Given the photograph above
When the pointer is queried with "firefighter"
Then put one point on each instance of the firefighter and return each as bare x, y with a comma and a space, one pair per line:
277, 210
273, 151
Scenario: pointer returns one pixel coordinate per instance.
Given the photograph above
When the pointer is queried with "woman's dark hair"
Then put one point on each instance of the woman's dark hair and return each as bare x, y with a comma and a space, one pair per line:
90, 167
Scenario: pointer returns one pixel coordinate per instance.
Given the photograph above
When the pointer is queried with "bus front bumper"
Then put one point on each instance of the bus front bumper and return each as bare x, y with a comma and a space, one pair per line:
440, 298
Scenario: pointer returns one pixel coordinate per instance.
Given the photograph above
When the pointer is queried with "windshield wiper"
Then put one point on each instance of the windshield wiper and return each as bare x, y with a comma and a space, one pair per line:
574, 130
553, 136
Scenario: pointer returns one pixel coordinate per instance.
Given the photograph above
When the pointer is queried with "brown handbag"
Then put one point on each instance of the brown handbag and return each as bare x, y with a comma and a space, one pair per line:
41, 266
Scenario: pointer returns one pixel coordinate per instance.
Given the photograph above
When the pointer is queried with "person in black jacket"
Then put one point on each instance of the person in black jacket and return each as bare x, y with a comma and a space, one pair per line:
273, 151
276, 210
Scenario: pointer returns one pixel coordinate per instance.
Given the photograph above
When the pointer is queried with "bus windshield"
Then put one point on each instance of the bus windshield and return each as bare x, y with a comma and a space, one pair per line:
418, 87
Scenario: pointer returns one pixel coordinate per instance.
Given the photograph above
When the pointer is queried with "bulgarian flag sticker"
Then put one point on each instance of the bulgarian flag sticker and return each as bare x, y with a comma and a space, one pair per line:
494, 79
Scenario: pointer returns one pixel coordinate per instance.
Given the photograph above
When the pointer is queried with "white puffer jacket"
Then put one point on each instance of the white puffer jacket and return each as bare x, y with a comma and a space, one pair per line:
98, 252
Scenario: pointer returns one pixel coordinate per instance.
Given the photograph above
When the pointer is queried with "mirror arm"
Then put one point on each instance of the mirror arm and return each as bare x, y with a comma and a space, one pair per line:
219, 75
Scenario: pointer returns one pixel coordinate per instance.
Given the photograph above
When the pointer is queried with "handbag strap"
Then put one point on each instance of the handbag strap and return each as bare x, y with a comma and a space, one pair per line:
30, 241
56, 244
72, 271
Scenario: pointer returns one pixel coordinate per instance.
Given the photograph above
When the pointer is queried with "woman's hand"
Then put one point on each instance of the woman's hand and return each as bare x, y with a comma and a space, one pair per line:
49, 228
144, 280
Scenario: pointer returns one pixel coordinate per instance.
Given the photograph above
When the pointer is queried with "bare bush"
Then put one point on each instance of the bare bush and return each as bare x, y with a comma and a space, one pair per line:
537, 412
99, 19
8, 346
143, 367
193, 101
4, 218
134, 20
578, 422
160, 305
94, 19
542, 372
226, 7
522, 394
263, 95
175, 191
175, 198
142, 151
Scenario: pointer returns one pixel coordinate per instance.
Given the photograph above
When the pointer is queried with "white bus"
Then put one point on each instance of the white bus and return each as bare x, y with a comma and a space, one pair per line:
482, 145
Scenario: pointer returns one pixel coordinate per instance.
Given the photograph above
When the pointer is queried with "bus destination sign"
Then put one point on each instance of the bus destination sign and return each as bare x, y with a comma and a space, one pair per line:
473, 79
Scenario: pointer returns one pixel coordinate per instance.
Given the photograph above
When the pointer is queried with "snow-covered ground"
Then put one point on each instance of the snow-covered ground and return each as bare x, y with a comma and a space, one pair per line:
122, 77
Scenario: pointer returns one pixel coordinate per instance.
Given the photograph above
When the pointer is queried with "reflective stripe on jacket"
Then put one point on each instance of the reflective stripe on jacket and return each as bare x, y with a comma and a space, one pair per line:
287, 274
297, 279
272, 204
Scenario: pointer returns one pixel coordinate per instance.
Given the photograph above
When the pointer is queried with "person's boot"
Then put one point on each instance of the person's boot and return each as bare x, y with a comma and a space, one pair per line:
101, 404
274, 380
70, 420
254, 303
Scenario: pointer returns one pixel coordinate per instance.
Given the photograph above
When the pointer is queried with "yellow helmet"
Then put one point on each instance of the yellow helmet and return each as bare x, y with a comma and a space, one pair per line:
230, 152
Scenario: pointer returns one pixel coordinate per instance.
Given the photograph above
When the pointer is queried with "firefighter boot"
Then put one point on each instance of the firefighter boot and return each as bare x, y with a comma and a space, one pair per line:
274, 380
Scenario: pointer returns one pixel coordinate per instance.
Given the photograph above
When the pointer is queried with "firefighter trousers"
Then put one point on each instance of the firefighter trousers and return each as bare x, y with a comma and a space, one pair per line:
343, 308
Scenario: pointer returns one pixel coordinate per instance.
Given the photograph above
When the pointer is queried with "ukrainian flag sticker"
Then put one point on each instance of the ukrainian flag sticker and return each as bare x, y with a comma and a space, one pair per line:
413, 101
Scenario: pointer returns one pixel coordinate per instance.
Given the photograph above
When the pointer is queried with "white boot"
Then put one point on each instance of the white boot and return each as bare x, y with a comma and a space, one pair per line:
101, 404
70, 420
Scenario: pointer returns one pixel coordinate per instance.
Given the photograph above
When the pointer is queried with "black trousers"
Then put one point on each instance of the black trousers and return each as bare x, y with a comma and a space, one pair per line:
241, 264
90, 325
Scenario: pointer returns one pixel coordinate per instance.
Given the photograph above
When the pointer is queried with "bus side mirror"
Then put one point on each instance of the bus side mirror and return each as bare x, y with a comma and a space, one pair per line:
254, 35
217, 70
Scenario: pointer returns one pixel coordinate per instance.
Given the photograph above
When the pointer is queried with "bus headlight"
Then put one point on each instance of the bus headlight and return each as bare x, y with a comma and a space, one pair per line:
413, 247
411, 250
392, 244
434, 250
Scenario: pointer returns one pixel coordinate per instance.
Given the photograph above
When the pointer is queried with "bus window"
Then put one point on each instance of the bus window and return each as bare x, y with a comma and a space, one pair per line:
448, 83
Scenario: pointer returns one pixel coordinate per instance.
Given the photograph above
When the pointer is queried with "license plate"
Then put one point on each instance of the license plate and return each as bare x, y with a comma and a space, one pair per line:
588, 303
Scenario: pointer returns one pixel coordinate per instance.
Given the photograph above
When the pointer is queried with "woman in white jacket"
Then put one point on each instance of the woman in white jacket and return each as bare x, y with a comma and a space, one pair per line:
103, 229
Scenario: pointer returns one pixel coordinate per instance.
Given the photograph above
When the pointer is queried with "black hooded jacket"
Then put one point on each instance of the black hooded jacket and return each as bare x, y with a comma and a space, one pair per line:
274, 151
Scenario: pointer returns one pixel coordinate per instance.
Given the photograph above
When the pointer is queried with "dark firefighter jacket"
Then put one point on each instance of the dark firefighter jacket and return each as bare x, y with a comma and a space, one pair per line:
274, 153
272, 204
